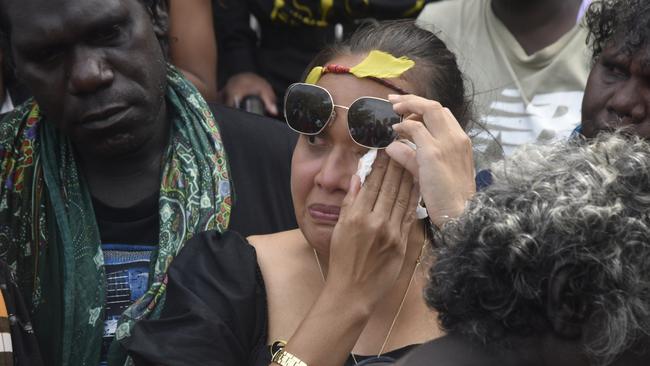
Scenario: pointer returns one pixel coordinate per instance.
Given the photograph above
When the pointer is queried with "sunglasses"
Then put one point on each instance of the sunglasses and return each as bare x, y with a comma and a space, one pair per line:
309, 108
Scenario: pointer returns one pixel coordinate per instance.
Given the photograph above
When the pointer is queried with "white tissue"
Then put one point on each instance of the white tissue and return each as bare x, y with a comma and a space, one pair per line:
365, 164
365, 167
420, 211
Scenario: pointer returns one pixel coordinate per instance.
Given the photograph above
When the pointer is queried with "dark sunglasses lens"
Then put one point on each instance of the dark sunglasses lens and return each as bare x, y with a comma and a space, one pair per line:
307, 108
370, 121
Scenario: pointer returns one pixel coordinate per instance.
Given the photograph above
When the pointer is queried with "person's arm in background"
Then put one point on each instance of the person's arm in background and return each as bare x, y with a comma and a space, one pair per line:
237, 42
193, 45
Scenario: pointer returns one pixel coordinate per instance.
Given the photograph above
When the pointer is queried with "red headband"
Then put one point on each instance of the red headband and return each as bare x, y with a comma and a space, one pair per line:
338, 69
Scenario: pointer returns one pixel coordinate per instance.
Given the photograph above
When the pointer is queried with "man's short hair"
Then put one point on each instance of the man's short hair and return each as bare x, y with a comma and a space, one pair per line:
157, 9
627, 19
583, 206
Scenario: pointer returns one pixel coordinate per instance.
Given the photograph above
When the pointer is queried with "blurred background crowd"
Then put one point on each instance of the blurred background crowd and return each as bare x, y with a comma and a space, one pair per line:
526, 62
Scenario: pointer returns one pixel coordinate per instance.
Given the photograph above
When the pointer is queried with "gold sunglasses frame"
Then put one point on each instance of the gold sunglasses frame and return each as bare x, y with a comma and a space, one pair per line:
332, 114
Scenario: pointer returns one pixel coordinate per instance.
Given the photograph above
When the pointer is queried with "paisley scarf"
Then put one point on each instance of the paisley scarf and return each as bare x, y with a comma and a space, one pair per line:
49, 235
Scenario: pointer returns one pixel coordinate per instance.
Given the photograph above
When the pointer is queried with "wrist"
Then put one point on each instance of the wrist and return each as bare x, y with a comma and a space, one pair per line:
440, 216
330, 330
280, 356
343, 295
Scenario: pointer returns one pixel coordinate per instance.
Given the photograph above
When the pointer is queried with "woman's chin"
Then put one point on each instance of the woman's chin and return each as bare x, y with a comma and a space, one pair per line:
318, 236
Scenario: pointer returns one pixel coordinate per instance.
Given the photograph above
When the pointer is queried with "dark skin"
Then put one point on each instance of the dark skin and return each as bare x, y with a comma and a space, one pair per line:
617, 94
536, 24
97, 71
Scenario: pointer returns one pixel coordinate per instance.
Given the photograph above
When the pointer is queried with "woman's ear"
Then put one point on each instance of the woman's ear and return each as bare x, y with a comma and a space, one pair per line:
566, 305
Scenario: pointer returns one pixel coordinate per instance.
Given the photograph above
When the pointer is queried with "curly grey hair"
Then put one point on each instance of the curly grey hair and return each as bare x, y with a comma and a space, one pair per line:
582, 204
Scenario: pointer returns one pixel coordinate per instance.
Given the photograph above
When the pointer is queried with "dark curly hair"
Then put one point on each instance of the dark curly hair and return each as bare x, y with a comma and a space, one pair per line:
157, 9
583, 206
625, 21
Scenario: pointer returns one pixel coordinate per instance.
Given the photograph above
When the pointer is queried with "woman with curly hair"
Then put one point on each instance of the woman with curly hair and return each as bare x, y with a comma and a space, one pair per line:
550, 265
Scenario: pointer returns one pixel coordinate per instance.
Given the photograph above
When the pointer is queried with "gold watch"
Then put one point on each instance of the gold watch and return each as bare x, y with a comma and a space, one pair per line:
284, 358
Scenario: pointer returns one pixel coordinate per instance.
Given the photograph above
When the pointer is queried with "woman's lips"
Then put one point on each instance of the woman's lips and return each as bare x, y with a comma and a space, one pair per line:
325, 213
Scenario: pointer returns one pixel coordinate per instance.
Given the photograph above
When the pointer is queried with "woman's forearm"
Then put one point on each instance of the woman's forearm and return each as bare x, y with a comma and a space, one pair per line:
330, 330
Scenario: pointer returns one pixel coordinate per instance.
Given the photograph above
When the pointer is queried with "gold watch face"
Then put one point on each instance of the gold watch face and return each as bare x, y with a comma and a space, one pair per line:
277, 346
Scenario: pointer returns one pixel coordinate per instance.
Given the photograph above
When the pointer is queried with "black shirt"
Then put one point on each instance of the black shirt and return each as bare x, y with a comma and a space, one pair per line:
129, 237
258, 152
216, 313
291, 34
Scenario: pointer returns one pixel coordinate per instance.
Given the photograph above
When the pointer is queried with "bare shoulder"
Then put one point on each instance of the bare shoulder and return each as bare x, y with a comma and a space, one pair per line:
291, 279
279, 238
278, 245
279, 254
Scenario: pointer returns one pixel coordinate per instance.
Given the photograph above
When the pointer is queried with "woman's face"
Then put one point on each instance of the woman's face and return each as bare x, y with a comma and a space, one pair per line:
323, 165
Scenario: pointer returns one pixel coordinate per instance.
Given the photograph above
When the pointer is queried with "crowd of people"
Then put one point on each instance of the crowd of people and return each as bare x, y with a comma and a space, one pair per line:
471, 187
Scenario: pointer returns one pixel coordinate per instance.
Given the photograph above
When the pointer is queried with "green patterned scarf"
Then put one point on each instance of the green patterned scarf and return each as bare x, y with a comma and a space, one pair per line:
48, 231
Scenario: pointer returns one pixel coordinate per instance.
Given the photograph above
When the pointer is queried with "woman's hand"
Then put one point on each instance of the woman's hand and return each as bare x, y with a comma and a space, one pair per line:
367, 252
442, 162
369, 240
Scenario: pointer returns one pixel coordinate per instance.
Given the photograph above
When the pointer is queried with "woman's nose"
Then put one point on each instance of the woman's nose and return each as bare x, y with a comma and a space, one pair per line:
336, 171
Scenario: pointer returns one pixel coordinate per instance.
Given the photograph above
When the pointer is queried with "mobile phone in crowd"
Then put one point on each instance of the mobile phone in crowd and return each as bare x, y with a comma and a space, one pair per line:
253, 104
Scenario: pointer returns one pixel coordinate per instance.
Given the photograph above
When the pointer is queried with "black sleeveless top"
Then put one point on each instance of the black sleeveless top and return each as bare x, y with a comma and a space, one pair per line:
215, 311
385, 358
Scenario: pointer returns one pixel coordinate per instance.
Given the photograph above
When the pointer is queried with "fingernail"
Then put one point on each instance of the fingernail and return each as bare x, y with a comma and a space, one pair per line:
392, 97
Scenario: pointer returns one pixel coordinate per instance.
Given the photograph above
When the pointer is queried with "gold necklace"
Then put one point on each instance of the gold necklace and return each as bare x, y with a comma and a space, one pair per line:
401, 304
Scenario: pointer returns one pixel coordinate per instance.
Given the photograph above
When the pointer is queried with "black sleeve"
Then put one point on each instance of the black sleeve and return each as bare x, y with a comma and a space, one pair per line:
258, 150
236, 40
215, 310
380, 9
310, 12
